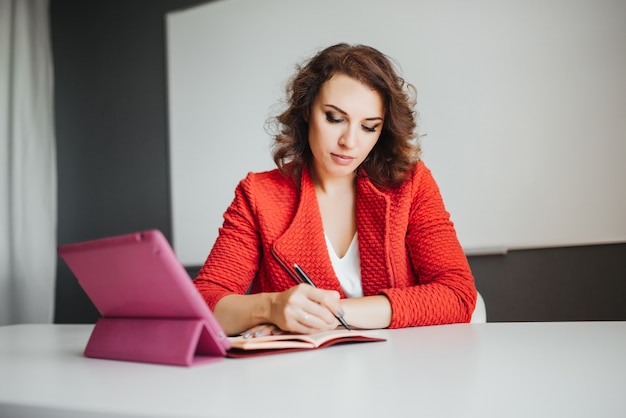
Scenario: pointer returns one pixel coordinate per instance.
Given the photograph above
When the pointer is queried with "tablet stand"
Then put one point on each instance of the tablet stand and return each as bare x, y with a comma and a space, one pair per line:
180, 342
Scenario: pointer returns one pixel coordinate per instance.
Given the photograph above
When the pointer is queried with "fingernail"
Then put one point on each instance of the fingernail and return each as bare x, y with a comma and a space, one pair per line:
246, 334
258, 332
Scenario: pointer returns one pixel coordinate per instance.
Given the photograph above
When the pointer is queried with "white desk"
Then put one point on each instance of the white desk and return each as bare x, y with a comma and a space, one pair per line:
575, 369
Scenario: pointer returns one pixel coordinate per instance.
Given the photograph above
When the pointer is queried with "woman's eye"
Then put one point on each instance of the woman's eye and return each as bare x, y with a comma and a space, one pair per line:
331, 119
370, 128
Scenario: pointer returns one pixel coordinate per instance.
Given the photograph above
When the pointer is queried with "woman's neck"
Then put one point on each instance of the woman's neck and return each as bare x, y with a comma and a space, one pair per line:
333, 185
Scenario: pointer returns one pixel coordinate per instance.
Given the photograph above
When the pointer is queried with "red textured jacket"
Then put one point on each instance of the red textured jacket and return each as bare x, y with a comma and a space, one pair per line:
408, 246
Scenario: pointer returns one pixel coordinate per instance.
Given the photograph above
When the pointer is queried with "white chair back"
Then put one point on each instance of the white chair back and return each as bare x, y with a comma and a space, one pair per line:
480, 312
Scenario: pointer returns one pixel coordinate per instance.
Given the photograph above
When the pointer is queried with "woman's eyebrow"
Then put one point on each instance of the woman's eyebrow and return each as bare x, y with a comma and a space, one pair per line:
343, 112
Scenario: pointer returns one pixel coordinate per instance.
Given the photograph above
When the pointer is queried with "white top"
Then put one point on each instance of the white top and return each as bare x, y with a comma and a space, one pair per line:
347, 268
513, 370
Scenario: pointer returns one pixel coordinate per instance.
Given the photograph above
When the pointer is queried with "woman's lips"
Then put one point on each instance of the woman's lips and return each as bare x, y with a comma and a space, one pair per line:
342, 159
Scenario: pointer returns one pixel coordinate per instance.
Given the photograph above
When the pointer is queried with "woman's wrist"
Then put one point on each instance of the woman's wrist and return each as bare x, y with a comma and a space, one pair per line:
370, 312
262, 312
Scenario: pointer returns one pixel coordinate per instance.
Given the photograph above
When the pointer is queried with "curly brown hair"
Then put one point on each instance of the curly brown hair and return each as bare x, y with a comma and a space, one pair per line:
396, 150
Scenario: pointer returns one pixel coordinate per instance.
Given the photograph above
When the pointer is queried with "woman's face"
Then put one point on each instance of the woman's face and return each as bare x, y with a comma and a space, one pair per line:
345, 122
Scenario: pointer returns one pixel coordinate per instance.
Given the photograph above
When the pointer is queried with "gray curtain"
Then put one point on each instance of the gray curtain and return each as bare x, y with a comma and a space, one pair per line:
28, 185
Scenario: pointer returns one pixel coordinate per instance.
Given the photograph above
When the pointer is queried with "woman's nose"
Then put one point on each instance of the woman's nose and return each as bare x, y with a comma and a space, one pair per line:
348, 138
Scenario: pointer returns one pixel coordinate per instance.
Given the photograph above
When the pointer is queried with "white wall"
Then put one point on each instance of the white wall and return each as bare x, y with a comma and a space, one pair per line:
523, 103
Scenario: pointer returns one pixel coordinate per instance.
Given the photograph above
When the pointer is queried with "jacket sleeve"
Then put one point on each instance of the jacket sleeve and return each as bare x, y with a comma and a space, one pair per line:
233, 261
443, 289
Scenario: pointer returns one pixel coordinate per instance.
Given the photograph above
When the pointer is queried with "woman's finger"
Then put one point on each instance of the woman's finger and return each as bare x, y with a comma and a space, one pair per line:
260, 331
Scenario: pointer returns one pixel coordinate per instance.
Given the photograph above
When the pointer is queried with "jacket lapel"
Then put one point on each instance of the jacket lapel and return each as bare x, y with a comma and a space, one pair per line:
303, 242
372, 222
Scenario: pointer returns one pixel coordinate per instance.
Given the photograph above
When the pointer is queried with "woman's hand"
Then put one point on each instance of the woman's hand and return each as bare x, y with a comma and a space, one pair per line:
302, 309
305, 309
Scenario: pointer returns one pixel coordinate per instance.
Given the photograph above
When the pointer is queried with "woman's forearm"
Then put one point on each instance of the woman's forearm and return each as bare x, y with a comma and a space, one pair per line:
238, 313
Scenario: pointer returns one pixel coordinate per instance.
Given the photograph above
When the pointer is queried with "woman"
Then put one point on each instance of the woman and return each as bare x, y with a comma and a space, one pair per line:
350, 203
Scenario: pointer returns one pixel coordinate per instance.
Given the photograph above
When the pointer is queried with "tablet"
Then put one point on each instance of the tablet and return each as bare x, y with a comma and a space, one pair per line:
138, 276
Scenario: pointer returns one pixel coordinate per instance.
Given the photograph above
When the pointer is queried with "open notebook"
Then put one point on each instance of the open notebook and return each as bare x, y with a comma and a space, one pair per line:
287, 342
150, 310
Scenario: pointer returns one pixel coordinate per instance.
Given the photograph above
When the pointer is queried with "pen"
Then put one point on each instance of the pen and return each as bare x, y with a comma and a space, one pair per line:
308, 281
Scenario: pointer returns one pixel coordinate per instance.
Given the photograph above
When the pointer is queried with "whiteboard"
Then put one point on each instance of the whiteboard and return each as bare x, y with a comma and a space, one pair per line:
522, 104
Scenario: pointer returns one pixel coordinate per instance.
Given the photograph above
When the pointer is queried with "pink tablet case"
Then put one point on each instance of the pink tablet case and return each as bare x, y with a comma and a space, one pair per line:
151, 311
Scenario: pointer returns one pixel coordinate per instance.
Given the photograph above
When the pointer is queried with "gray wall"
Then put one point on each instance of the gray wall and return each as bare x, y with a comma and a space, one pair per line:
111, 127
